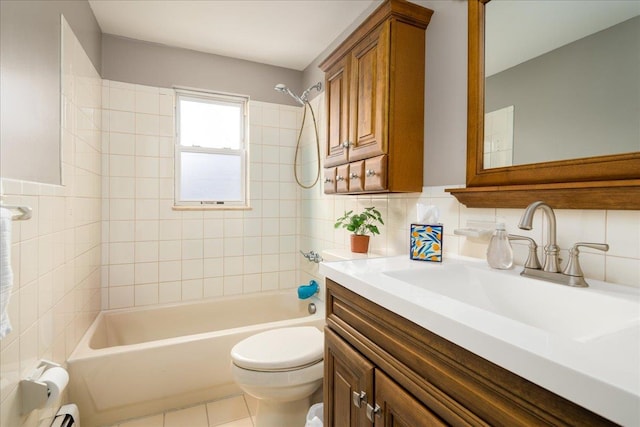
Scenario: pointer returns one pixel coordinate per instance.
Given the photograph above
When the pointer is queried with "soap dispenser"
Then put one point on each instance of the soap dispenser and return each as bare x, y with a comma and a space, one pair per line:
499, 252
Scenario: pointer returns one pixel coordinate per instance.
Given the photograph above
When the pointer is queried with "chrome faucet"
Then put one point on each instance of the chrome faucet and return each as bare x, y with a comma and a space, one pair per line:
551, 262
312, 256
572, 274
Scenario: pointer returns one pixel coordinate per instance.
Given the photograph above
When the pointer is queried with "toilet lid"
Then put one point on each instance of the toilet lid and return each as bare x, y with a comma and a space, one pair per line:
280, 349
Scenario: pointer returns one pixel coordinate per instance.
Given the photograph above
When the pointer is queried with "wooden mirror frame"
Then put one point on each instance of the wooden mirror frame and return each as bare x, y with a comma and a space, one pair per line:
604, 182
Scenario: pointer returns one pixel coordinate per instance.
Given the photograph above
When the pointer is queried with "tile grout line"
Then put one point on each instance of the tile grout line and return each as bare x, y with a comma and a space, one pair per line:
246, 404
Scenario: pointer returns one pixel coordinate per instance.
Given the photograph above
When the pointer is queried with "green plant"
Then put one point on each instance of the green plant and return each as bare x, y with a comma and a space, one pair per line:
361, 223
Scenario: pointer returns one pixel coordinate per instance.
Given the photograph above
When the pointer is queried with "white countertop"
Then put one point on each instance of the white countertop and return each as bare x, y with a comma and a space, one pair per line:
601, 374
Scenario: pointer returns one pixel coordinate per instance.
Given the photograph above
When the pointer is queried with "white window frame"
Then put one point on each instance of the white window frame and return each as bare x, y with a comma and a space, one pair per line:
242, 151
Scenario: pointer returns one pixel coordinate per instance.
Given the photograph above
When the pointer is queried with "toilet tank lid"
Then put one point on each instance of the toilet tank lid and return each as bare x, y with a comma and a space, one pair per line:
280, 349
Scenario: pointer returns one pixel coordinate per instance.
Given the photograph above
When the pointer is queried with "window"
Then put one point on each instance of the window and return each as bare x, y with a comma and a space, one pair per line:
211, 150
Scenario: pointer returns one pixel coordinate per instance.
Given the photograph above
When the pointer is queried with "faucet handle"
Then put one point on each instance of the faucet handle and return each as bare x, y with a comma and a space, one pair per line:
573, 266
532, 260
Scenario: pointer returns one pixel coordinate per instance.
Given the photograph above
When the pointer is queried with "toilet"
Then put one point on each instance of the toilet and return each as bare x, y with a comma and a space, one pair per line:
281, 368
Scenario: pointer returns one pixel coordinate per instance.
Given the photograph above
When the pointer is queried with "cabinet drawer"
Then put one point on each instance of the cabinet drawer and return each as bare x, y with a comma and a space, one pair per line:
356, 176
375, 172
342, 179
329, 180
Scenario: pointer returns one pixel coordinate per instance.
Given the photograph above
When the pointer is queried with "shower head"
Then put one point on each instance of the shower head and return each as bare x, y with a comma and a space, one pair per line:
280, 87
305, 94
284, 89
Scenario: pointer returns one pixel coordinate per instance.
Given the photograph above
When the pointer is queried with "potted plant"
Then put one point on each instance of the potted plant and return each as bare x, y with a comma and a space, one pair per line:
361, 225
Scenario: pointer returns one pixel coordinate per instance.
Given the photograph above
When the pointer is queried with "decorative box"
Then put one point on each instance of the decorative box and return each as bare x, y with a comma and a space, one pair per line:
426, 242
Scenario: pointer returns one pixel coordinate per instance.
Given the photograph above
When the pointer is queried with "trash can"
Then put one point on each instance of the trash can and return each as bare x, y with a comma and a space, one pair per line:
315, 417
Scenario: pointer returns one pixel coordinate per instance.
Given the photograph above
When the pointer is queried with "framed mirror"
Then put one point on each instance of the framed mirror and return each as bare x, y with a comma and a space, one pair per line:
594, 178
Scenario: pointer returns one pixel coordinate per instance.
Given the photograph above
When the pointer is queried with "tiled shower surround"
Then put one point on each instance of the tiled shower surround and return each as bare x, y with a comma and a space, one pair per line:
152, 253
109, 237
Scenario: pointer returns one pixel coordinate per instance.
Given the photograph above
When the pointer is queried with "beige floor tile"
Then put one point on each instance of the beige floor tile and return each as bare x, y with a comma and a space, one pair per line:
152, 421
191, 417
226, 410
245, 422
252, 403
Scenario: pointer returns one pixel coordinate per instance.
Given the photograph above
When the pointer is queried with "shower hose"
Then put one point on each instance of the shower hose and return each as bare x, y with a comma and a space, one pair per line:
295, 160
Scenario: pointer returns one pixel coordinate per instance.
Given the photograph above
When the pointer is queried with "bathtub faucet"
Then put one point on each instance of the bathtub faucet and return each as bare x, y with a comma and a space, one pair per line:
307, 291
312, 256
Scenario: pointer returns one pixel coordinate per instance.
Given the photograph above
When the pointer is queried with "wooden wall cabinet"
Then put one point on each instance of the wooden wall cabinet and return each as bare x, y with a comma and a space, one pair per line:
374, 96
383, 370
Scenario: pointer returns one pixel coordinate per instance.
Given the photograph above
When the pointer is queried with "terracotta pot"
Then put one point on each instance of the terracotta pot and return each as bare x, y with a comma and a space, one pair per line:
359, 244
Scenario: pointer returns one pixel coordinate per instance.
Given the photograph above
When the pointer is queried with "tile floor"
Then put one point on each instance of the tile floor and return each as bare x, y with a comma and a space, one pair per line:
235, 411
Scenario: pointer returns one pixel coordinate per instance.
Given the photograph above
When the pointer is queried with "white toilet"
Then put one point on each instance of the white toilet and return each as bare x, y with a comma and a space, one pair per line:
281, 368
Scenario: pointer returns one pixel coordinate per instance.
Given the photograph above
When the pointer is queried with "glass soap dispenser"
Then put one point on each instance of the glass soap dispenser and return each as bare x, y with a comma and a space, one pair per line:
499, 252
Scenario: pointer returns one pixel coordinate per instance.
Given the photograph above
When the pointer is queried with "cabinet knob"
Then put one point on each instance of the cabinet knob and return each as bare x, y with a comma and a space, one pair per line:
339, 178
327, 180
353, 175
370, 172
358, 398
346, 144
373, 412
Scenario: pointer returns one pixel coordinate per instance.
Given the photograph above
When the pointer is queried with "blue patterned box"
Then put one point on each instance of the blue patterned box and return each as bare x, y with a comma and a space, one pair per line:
426, 242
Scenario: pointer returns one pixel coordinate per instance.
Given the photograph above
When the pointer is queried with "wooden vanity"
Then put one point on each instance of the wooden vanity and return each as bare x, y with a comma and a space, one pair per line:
384, 370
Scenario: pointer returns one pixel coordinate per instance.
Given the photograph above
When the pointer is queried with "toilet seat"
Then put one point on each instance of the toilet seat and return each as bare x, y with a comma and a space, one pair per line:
279, 350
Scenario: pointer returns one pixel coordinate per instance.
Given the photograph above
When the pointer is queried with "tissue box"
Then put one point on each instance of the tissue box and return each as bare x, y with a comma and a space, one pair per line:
426, 242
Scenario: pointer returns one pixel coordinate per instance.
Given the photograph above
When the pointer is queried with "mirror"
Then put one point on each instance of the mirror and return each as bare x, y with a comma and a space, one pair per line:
561, 80
578, 181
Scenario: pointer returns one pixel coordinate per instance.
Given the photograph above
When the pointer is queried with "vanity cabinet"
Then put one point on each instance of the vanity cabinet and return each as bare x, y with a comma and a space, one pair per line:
353, 381
374, 96
404, 375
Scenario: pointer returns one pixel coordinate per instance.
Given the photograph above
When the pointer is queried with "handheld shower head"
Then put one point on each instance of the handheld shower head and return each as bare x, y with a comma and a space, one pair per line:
305, 94
280, 87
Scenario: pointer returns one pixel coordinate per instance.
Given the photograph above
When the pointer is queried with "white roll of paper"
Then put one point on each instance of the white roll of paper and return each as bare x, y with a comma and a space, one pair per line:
56, 379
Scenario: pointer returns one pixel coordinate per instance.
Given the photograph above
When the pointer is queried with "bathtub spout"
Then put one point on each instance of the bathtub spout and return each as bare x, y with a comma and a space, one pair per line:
307, 291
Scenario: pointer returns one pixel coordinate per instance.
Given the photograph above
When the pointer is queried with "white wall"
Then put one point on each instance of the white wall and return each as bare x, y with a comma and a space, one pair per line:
56, 254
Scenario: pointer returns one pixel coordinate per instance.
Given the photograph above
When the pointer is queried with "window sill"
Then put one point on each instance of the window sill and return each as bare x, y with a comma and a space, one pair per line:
210, 208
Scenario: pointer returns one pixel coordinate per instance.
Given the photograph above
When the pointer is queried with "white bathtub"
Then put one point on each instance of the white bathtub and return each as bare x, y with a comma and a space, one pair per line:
135, 362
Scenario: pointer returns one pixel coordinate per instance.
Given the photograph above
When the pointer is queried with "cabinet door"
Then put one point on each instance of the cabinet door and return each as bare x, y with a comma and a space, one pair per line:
369, 91
346, 372
398, 408
337, 103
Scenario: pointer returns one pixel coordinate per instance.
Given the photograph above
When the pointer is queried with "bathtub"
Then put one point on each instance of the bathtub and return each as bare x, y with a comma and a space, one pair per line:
140, 361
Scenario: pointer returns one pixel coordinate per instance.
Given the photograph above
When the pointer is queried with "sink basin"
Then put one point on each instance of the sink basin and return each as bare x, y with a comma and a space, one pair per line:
581, 314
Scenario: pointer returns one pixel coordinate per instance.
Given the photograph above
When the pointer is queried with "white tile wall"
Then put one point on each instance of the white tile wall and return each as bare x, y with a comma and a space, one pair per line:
56, 254
154, 254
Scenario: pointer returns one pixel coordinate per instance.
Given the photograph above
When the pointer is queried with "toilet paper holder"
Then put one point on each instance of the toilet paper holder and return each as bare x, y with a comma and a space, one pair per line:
35, 393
